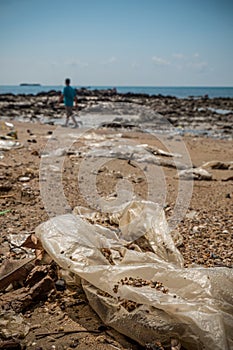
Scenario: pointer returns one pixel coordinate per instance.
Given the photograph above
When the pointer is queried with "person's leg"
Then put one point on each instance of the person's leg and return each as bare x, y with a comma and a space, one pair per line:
67, 120
68, 114
74, 120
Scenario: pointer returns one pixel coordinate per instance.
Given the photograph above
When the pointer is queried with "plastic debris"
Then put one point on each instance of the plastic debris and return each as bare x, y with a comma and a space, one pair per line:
3, 212
140, 153
24, 179
6, 145
215, 164
195, 174
7, 131
135, 280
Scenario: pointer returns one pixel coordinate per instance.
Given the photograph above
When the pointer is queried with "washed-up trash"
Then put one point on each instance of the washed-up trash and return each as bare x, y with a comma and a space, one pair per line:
60, 152
140, 153
18, 244
195, 174
215, 164
134, 277
9, 125
14, 271
7, 131
3, 212
97, 137
24, 179
161, 152
36, 282
6, 145
229, 178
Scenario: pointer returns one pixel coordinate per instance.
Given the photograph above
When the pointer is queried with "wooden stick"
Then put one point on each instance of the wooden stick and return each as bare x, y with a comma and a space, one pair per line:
63, 333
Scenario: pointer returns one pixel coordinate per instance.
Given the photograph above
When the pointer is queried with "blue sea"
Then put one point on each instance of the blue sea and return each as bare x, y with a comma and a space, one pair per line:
179, 91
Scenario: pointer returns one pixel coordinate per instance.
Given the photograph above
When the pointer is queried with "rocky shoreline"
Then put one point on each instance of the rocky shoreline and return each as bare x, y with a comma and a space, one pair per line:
43, 307
203, 116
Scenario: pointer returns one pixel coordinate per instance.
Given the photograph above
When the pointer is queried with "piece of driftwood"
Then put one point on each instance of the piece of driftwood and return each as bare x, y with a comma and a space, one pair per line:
10, 274
41, 271
63, 333
230, 178
7, 196
21, 299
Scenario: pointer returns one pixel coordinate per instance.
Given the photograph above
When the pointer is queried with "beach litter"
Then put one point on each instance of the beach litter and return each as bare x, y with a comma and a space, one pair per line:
214, 164
141, 153
134, 277
195, 174
7, 131
6, 145
3, 212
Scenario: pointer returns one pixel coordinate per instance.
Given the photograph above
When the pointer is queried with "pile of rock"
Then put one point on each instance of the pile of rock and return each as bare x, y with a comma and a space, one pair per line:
203, 115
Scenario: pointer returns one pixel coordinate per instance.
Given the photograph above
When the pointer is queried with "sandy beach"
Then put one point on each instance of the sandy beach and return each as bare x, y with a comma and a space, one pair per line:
205, 228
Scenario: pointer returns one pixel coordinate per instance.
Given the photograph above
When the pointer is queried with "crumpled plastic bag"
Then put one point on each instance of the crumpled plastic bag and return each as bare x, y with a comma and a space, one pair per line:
134, 277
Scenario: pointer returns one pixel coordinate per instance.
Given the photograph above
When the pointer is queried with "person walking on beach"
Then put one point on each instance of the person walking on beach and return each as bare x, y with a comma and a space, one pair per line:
69, 97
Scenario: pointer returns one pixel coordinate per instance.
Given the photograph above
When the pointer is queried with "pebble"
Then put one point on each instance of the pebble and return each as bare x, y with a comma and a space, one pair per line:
225, 231
195, 229
24, 179
60, 285
74, 343
191, 215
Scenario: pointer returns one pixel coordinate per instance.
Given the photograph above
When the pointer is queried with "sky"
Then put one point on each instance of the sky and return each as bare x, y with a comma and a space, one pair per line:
117, 42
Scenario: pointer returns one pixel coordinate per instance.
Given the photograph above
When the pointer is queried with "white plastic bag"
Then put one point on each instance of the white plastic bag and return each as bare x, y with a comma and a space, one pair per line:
194, 305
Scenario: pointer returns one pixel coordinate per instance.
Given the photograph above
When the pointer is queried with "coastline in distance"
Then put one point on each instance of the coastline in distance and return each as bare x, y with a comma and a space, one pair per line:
29, 84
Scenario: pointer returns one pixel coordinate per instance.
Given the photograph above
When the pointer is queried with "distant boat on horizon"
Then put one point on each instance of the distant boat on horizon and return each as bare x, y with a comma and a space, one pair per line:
29, 84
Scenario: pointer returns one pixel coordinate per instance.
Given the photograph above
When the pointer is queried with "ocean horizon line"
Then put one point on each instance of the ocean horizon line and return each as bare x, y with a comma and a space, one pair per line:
175, 91
129, 85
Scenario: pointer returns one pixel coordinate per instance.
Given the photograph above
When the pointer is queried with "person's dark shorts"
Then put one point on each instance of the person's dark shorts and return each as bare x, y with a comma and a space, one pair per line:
69, 111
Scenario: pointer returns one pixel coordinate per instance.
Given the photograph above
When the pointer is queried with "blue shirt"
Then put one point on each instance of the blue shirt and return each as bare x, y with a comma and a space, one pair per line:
69, 93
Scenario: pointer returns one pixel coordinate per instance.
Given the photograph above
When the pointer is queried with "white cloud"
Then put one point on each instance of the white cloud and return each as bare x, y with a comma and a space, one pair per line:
179, 56
75, 63
192, 62
135, 65
160, 61
110, 60
198, 66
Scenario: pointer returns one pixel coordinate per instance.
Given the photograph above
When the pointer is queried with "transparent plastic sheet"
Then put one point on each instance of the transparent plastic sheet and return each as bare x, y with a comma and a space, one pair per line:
6, 145
197, 304
141, 153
